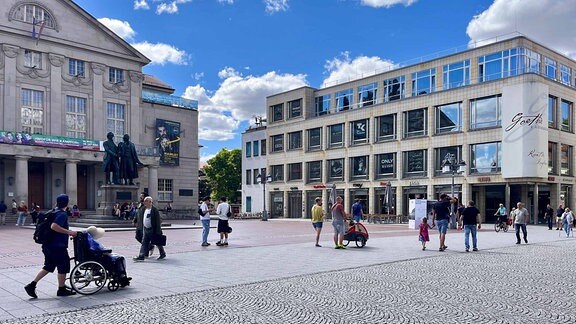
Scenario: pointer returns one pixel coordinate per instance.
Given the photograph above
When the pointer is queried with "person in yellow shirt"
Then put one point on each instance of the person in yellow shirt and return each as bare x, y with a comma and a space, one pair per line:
317, 219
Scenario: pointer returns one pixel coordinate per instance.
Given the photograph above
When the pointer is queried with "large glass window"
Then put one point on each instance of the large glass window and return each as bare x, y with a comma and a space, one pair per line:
314, 171
115, 118
385, 165
359, 130
277, 112
449, 118
255, 148
344, 100
359, 168
440, 155
368, 95
32, 59
277, 172
550, 65
506, 63
277, 143
567, 119
336, 135
565, 74
415, 123
552, 158
485, 157
395, 88
75, 117
386, 127
486, 112
32, 111
315, 139
34, 14
295, 140
335, 169
566, 160
75, 67
415, 163
423, 82
165, 190
248, 149
295, 171
115, 75
263, 147
255, 174
322, 105
552, 104
295, 108
248, 177
456, 74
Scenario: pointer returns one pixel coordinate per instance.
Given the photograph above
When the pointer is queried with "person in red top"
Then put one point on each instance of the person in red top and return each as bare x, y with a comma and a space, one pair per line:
22, 212
423, 232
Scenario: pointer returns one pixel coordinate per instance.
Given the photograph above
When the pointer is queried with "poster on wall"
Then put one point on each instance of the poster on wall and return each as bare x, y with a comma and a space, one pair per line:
168, 141
24, 138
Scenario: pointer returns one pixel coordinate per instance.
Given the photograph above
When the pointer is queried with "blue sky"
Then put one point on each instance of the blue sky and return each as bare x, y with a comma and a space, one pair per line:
230, 54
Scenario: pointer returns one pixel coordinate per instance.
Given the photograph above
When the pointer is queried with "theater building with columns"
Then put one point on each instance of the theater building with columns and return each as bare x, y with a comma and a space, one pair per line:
65, 82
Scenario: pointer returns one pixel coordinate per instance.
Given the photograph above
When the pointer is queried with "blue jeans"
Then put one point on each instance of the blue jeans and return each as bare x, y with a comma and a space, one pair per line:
21, 218
567, 228
517, 227
357, 218
467, 230
205, 230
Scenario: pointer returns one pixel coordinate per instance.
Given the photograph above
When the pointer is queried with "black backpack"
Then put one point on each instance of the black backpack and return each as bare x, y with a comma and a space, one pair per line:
43, 232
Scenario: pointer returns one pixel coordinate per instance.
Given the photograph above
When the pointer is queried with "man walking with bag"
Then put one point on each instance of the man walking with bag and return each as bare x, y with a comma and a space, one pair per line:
148, 221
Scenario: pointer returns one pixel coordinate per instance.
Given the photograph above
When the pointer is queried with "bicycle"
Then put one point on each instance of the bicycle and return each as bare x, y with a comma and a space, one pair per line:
501, 226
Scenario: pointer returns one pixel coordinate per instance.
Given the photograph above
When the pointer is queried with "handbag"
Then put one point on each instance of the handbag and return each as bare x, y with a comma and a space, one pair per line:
159, 239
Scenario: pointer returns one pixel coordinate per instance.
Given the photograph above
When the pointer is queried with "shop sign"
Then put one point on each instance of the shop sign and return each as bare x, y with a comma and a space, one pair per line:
414, 183
484, 179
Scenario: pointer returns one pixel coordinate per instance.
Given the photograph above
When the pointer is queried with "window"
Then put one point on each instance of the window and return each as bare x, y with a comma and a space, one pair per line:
550, 68
492, 66
315, 139
75, 117
277, 112
552, 104
248, 149
115, 118
567, 118
277, 172
335, 169
263, 172
486, 157
314, 171
456, 74
423, 82
449, 118
359, 167
415, 163
368, 95
565, 74
278, 143
115, 75
32, 59
295, 108
415, 123
165, 190
32, 111
566, 160
248, 204
34, 14
395, 88
552, 158
295, 140
76, 67
335, 135
359, 130
385, 165
440, 155
255, 148
506, 63
344, 99
386, 127
263, 147
255, 174
248, 177
322, 105
295, 171
486, 112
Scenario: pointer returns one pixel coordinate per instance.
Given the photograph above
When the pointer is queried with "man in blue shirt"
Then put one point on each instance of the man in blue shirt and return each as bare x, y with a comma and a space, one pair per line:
55, 251
357, 210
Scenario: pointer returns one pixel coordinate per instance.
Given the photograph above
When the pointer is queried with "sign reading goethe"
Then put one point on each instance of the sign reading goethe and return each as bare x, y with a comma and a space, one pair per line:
525, 130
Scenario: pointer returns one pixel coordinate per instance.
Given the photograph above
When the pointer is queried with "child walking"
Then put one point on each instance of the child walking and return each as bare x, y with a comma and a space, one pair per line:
423, 232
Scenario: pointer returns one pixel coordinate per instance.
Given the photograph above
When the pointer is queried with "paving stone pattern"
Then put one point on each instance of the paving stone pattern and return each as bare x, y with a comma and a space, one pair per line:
519, 284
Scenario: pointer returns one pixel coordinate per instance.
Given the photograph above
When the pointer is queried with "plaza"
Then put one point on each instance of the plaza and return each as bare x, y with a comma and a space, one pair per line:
272, 273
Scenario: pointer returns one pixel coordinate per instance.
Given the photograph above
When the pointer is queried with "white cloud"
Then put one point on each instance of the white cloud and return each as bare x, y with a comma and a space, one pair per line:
141, 4
204, 159
342, 69
550, 22
119, 27
161, 54
386, 3
228, 72
226, 1
169, 7
273, 6
198, 76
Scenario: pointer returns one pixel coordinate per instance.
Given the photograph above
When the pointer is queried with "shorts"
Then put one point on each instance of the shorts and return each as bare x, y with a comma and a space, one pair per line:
442, 225
357, 218
317, 224
56, 257
339, 228
223, 226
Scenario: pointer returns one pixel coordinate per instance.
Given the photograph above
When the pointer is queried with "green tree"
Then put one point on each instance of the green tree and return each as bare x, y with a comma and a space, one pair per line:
224, 173
204, 188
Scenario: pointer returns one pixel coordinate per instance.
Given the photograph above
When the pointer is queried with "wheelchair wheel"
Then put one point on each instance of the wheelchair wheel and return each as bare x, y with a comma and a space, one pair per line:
360, 241
497, 227
505, 228
88, 277
345, 242
113, 285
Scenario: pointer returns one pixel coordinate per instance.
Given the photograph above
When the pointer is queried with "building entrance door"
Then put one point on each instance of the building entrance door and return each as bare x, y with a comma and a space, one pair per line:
36, 184
82, 187
295, 204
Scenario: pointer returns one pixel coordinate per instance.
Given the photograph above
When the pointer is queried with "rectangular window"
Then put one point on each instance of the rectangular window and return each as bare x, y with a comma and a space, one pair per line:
314, 171
115, 118
322, 105
32, 59
565, 74
255, 174
165, 190
115, 75
368, 95
456, 74
344, 99
76, 117
415, 163
295, 171
566, 160
415, 123
248, 177
359, 168
295, 140
248, 204
485, 157
263, 147
395, 88
248, 149
486, 112
441, 153
32, 111
552, 158
507, 63
335, 169
255, 148
76, 67
550, 65
386, 128
295, 108
385, 165
567, 119
336, 135
552, 106
359, 131
277, 172
277, 143
315, 139
449, 118
423, 82
277, 112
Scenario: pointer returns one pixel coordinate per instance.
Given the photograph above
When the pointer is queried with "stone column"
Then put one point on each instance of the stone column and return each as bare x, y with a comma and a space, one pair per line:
535, 210
507, 198
21, 181
9, 112
71, 188
371, 193
399, 205
153, 181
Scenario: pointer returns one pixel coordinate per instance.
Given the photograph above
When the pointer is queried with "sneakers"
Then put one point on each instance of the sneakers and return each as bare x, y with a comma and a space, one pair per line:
31, 290
161, 257
124, 281
445, 247
467, 250
205, 244
423, 248
138, 259
63, 291
219, 243
225, 243
518, 242
526, 241
440, 250
475, 249
340, 247
318, 245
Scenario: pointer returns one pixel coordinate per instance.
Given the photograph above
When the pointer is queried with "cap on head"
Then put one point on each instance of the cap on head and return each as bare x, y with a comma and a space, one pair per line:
62, 201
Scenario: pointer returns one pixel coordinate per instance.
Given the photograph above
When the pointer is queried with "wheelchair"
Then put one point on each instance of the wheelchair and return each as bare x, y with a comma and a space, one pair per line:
91, 271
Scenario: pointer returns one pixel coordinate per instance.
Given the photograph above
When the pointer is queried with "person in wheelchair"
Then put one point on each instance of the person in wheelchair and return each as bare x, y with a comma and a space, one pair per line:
114, 263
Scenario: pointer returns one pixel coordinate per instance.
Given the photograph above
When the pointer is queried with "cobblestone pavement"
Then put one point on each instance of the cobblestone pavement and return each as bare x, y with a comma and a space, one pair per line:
517, 284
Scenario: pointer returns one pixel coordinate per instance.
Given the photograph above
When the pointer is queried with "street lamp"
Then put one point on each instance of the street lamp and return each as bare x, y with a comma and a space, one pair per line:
263, 181
449, 165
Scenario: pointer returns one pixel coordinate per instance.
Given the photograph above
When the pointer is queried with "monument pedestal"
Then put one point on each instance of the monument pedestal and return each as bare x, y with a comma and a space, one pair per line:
116, 194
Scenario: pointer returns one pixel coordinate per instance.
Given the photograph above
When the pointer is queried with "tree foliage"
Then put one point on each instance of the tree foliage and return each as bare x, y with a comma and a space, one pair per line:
224, 174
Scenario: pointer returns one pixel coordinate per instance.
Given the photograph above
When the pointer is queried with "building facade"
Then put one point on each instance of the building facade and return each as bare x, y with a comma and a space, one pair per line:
253, 165
65, 82
505, 109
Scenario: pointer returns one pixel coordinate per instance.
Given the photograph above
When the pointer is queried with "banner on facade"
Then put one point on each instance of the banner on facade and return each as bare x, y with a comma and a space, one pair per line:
23, 138
168, 141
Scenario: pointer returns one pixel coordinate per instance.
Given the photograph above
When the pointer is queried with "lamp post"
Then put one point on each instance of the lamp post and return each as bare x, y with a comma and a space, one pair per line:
263, 181
449, 165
